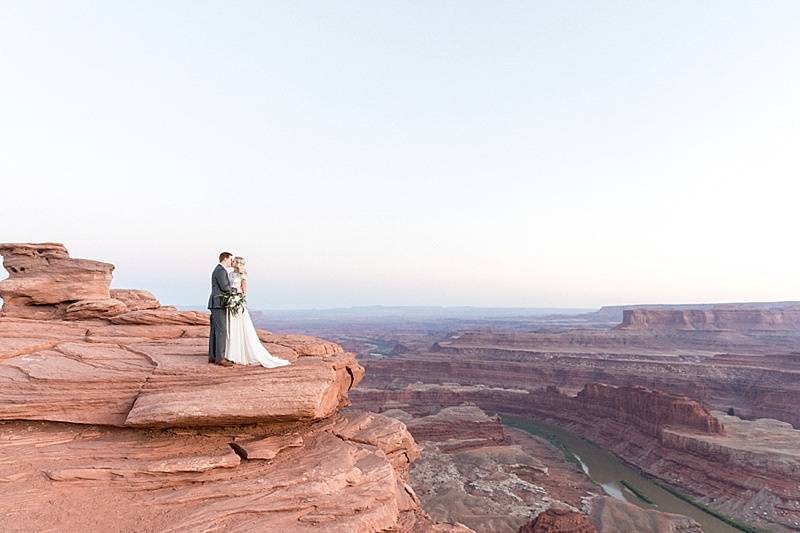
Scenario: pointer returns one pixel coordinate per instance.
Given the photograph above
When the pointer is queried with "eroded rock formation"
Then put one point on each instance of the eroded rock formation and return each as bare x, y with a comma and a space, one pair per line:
558, 520
648, 410
741, 359
494, 479
756, 375
453, 428
750, 471
44, 280
475, 472
46, 283
111, 420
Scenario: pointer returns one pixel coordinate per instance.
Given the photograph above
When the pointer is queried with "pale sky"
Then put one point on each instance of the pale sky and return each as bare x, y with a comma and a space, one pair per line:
524, 153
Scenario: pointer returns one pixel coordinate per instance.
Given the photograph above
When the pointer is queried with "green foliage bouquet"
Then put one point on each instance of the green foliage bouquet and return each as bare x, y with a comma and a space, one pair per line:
233, 301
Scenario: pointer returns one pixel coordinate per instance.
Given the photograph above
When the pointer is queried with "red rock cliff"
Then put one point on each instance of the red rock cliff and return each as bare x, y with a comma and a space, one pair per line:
711, 319
649, 410
46, 283
108, 406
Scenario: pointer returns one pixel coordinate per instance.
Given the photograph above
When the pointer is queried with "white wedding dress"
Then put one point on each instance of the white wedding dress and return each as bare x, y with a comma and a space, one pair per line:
243, 346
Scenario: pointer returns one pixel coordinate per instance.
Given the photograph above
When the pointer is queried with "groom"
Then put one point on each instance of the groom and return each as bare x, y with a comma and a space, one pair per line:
218, 336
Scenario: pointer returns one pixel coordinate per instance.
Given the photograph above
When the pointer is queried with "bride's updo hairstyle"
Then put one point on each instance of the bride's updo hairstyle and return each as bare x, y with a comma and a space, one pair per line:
241, 265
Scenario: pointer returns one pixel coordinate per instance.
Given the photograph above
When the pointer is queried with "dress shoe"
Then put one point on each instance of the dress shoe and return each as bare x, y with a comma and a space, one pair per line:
225, 362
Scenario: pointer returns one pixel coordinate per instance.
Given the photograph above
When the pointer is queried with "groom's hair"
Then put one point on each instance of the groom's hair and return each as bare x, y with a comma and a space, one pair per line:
224, 255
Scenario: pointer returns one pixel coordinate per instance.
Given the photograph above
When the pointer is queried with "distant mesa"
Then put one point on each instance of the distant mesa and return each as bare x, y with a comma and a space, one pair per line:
615, 314
714, 319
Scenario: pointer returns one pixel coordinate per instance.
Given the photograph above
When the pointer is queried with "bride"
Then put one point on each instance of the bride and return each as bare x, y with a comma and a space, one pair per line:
243, 346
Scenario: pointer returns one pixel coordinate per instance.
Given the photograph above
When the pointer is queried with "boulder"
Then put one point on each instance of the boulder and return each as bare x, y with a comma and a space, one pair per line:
388, 434
161, 316
88, 309
266, 448
302, 344
136, 300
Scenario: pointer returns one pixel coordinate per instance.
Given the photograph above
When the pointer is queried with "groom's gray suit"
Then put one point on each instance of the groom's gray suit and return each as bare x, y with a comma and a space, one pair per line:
219, 325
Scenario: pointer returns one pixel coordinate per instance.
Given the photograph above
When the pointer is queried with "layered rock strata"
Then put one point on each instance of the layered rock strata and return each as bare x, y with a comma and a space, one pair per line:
780, 319
742, 359
496, 480
756, 376
157, 376
112, 420
614, 314
472, 471
749, 470
193, 480
556, 520
46, 283
43, 280
647, 410
453, 428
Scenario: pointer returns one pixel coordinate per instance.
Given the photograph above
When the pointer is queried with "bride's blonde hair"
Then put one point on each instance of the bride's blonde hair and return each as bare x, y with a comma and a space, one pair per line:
241, 265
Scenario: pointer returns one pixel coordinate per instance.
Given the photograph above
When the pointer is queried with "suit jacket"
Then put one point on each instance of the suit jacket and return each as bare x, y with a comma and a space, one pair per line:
220, 282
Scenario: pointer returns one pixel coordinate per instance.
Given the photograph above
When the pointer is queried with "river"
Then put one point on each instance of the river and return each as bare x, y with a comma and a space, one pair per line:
609, 472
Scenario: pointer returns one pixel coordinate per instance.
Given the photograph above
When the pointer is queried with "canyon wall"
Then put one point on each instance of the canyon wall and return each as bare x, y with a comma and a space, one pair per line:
614, 313
787, 319
472, 471
751, 473
646, 411
649, 411
499, 480
757, 377
653, 389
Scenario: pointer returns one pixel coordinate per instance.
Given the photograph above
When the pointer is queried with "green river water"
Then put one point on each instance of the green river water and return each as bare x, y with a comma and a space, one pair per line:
608, 471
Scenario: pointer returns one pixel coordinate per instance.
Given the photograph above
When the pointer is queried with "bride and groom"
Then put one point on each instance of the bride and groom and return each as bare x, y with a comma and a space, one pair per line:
233, 338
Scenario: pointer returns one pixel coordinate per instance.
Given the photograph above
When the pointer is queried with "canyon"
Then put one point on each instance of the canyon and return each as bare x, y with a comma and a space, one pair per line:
107, 403
476, 471
702, 398
749, 470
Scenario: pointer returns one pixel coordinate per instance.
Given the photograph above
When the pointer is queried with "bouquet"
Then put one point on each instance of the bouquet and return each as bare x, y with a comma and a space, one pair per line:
233, 301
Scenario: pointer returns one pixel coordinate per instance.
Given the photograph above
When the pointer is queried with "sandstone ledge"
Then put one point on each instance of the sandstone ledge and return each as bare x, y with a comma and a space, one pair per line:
111, 419
150, 376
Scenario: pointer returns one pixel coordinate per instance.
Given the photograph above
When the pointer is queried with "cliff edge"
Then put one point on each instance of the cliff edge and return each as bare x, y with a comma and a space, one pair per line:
112, 420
